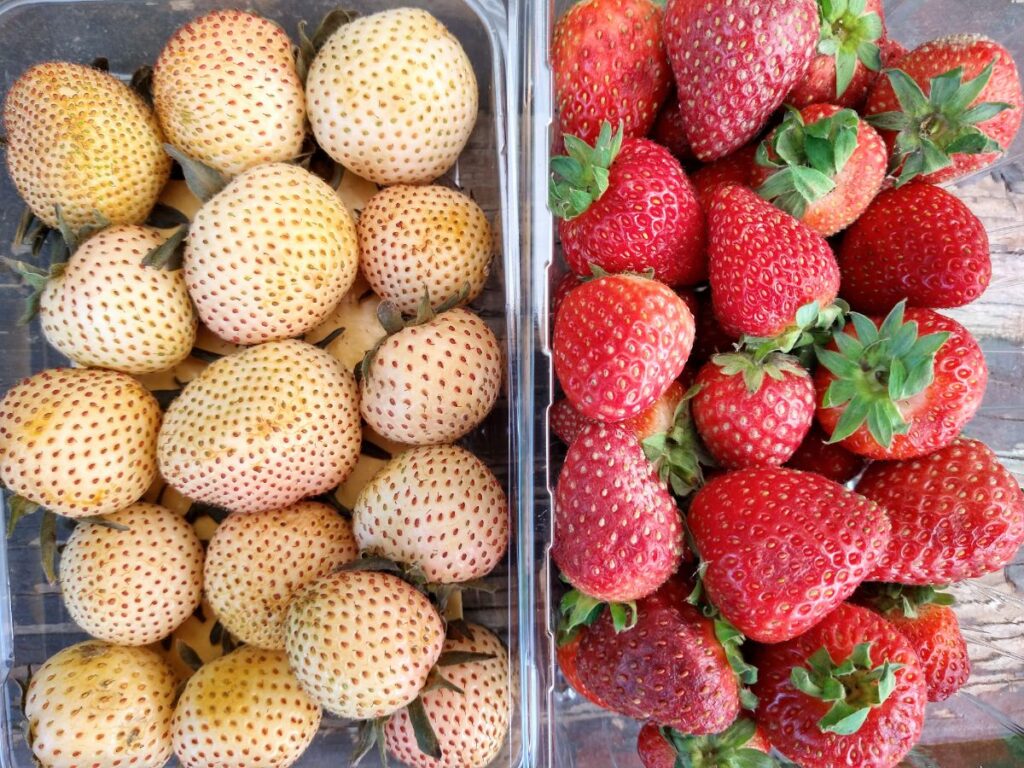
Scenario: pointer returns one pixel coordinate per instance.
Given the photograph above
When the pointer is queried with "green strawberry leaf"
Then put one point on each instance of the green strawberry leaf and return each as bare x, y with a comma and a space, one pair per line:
678, 455
902, 599
728, 748
453, 658
849, 34
17, 508
203, 181
369, 735
581, 177
170, 254
166, 217
426, 739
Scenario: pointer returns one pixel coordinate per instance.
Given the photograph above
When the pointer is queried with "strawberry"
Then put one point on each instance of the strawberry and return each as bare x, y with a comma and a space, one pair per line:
563, 288
924, 617
737, 168
384, 638
438, 509
669, 131
243, 709
764, 265
892, 52
133, 577
957, 514
130, 694
848, 55
899, 388
262, 428
567, 423
227, 92
830, 460
78, 441
89, 306
627, 206
618, 534
416, 133
270, 255
81, 140
741, 744
432, 381
609, 66
823, 166
416, 239
918, 243
954, 106
470, 723
753, 412
670, 668
851, 691
567, 654
751, 526
255, 562
734, 65
619, 343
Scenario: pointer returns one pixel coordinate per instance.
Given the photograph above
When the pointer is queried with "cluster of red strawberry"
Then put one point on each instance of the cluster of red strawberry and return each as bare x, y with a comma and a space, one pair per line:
727, 587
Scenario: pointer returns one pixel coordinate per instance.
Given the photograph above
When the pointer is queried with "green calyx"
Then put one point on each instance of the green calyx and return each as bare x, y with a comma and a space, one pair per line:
678, 455
874, 372
849, 35
581, 610
931, 129
727, 749
732, 641
813, 325
805, 159
36, 278
775, 366
853, 687
581, 177
902, 599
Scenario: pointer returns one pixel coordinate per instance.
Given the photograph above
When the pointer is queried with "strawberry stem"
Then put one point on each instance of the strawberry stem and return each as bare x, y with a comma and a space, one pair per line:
849, 35
581, 177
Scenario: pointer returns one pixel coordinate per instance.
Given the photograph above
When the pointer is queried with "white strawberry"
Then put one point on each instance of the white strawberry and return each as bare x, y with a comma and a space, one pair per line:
362, 643
255, 562
243, 710
393, 97
100, 705
433, 382
262, 429
78, 441
424, 239
227, 92
270, 255
80, 139
438, 508
470, 726
134, 577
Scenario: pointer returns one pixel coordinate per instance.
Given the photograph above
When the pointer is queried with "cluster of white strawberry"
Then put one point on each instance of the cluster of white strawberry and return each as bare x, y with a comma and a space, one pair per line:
332, 582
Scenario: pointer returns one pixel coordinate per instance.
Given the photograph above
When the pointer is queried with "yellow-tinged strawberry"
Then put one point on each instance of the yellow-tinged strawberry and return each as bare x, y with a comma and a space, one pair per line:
227, 92
393, 97
81, 140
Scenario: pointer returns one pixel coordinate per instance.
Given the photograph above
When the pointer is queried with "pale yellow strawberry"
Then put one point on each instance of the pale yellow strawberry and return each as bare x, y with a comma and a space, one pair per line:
80, 139
78, 441
100, 705
417, 240
270, 256
393, 97
227, 92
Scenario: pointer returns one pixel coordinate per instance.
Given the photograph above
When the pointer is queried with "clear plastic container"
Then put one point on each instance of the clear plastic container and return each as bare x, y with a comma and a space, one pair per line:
33, 622
983, 725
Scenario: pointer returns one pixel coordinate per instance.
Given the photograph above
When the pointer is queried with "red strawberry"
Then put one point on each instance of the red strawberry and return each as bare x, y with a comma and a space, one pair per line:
669, 131
563, 288
753, 413
848, 56
969, 122
669, 668
738, 745
618, 533
918, 243
902, 387
734, 64
737, 168
609, 65
764, 265
956, 514
627, 207
566, 654
823, 165
783, 548
893, 52
858, 656
619, 343
829, 460
567, 423
924, 617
